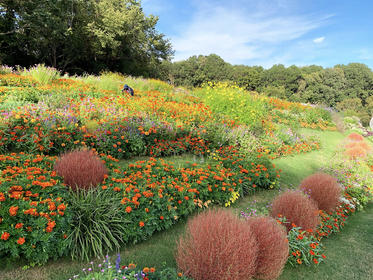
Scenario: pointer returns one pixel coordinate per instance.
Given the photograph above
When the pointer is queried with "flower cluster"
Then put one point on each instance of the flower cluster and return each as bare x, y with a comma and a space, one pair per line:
34, 215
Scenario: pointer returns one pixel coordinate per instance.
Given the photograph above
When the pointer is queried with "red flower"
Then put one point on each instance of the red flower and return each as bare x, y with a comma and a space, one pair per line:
21, 240
13, 210
5, 236
19, 225
128, 209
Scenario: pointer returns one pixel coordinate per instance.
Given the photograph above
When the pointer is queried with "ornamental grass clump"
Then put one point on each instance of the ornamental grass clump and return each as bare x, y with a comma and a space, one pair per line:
217, 245
273, 247
297, 208
99, 224
323, 189
81, 169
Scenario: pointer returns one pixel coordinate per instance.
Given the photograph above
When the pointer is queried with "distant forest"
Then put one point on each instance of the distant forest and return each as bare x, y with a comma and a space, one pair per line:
91, 36
347, 88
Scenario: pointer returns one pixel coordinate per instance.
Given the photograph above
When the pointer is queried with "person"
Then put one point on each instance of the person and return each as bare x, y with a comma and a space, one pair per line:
128, 89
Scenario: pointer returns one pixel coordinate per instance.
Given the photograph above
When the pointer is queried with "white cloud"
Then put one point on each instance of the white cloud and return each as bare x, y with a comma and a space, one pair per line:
238, 34
319, 40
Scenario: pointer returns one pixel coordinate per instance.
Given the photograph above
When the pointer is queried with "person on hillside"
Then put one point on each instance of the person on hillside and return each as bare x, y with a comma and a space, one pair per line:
128, 89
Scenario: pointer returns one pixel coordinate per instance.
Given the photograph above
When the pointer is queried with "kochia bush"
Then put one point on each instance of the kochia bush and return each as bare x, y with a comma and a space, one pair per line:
81, 169
273, 247
297, 208
217, 245
323, 189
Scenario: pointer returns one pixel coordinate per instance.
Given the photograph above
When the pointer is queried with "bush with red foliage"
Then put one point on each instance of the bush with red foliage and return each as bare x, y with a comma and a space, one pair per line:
356, 153
323, 189
273, 247
80, 169
297, 208
361, 144
217, 246
355, 137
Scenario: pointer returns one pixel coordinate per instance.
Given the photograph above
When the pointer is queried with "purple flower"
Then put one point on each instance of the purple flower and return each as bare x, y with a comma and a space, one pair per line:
117, 262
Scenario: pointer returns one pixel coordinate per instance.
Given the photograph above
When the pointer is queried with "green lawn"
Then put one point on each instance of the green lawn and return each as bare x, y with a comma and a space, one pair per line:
349, 253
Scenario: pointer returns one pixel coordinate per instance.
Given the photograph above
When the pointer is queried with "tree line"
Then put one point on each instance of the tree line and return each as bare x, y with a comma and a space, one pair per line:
78, 36
347, 88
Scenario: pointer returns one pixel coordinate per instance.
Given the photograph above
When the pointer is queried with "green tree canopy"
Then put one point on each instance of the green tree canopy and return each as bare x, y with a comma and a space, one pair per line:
82, 35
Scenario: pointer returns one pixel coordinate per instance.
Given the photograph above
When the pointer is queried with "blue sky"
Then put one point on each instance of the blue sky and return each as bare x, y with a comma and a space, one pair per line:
267, 32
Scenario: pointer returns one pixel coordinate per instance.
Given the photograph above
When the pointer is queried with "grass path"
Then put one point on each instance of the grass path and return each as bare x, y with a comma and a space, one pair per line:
349, 253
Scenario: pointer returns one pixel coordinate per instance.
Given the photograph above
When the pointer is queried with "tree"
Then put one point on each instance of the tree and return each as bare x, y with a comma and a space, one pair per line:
82, 35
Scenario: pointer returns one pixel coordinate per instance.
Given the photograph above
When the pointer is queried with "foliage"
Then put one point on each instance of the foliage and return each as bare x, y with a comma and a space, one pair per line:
297, 208
304, 247
80, 169
273, 247
217, 245
34, 214
115, 35
323, 189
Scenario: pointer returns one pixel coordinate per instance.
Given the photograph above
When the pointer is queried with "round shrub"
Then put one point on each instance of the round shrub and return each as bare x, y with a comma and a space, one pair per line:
297, 208
355, 137
323, 189
273, 247
356, 152
217, 245
81, 169
360, 144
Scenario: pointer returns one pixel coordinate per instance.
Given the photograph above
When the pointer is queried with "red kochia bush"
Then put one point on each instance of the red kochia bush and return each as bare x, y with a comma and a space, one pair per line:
217, 246
297, 208
323, 189
80, 169
273, 247
355, 137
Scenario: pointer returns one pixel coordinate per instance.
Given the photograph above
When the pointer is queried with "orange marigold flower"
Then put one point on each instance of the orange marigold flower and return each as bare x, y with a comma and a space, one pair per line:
128, 209
161, 217
131, 266
13, 210
152, 269
5, 236
141, 224
299, 261
19, 225
146, 270
61, 207
21, 240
